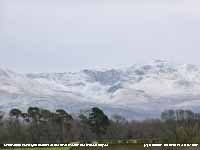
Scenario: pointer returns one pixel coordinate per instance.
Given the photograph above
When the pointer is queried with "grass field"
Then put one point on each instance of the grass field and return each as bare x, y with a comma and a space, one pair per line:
110, 147
37, 148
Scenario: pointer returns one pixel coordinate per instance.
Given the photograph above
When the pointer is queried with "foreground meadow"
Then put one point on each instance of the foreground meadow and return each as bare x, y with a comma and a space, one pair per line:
110, 147
38, 148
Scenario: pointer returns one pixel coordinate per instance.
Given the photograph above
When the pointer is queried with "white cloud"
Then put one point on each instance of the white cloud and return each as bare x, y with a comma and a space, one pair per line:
41, 35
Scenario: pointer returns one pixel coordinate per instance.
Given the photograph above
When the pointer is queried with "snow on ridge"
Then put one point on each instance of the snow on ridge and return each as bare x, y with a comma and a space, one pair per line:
137, 86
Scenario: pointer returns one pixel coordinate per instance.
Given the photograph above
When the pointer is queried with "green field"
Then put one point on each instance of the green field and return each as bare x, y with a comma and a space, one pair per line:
111, 147
37, 148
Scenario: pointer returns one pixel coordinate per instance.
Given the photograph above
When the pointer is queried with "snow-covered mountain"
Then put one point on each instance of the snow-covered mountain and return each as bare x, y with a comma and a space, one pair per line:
138, 91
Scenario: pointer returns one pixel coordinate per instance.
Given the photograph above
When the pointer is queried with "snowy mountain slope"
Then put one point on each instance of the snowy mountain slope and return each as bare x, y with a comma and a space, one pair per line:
135, 91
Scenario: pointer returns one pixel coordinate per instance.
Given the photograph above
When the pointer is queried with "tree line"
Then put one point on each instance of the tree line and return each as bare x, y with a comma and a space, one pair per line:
39, 125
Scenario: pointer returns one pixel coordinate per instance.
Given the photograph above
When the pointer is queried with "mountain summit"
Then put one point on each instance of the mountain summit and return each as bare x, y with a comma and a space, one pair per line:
134, 91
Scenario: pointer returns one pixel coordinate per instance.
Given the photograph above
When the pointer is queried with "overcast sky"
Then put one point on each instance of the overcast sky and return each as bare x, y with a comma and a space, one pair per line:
69, 35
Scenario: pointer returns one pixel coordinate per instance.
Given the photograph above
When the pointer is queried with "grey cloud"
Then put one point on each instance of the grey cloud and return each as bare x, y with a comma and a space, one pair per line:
68, 35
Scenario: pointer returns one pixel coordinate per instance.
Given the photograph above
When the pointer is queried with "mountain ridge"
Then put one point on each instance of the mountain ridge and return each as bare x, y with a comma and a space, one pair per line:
136, 90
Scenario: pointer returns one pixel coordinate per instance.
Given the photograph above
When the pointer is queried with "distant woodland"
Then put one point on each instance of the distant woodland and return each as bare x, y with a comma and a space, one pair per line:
43, 126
